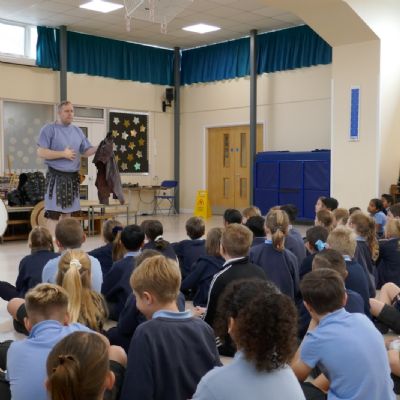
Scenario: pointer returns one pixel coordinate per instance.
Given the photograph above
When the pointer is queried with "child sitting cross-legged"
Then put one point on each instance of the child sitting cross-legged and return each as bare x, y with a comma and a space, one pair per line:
170, 352
262, 323
346, 347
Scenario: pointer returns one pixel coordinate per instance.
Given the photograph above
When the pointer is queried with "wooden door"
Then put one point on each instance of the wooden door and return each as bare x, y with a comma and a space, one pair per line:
229, 166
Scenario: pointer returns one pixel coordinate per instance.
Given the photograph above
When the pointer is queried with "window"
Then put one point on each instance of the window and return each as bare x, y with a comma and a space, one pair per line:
17, 40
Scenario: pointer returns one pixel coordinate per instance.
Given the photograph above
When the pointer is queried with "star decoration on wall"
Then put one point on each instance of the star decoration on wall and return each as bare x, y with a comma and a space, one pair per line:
115, 147
131, 145
124, 166
124, 135
142, 128
116, 121
117, 158
139, 154
137, 166
122, 149
130, 157
136, 120
126, 123
115, 134
141, 142
133, 133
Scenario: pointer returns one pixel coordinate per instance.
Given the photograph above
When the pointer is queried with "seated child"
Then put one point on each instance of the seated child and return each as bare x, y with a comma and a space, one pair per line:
294, 240
190, 250
343, 240
85, 305
387, 202
324, 218
232, 216
153, 231
315, 242
235, 244
79, 365
249, 212
336, 342
48, 322
262, 323
353, 210
31, 266
389, 254
367, 248
170, 352
341, 216
332, 259
130, 317
116, 283
279, 264
386, 308
326, 203
105, 253
375, 208
257, 225
70, 236
394, 211
203, 270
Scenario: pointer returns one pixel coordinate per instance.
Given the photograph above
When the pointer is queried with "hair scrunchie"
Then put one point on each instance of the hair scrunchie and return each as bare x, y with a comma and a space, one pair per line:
320, 245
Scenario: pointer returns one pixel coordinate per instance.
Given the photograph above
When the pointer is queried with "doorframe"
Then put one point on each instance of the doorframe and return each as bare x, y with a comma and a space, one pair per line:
225, 125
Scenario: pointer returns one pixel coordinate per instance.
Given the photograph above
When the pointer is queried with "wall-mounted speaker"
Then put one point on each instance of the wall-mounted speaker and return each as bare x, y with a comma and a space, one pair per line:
169, 94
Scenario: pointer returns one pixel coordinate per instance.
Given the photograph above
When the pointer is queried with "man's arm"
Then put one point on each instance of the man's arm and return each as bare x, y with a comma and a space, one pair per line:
48, 154
90, 151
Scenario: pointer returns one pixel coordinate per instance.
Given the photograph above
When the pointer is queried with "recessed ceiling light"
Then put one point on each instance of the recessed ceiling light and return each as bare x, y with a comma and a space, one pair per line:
101, 6
201, 28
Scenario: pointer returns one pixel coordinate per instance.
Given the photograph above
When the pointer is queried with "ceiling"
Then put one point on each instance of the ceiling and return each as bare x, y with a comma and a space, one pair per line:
235, 18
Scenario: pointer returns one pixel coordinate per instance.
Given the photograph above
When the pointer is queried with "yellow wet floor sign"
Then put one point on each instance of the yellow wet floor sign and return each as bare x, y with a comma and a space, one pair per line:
202, 207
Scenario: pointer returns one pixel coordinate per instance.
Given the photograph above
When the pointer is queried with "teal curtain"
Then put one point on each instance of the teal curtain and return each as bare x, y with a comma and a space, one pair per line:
291, 48
216, 62
110, 58
276, 51
47, 48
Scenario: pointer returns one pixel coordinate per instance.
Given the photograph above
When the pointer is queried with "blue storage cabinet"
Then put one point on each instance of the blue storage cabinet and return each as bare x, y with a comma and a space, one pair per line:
292, 177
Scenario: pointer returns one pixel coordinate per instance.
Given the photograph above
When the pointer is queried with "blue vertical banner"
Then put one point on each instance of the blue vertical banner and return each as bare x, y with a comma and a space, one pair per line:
354, 113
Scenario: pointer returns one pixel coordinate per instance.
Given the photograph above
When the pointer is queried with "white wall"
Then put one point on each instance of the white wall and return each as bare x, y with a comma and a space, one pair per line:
293, 105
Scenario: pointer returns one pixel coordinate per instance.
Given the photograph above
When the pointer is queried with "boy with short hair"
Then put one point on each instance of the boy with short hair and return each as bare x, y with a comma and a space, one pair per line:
170, 352
47, 321
190, 250
70, 235
347, 347
116, 287
232, 216
257, 226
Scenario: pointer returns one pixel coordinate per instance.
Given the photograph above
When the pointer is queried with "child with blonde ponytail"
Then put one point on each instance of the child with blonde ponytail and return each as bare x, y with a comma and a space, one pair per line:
279, 264
85, 305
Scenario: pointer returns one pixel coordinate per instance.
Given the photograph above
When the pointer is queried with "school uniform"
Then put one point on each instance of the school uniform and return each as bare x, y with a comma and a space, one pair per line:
352, 351
388, 263
306, 265
129, 319
240, 380
199, 280
50, 271
26, 359
257, 240
188, 252
233, 270
116, 287
357, 281
363, 256
295, 243
104, 255
354, 304
29, 275
380, 219
280, 267
168, 251
168, 356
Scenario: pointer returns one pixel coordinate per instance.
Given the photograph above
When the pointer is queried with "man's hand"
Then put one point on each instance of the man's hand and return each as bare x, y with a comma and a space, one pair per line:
69, 154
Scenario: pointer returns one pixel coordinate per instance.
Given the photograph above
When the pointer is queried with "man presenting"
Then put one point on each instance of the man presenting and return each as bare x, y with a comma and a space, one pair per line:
61, 143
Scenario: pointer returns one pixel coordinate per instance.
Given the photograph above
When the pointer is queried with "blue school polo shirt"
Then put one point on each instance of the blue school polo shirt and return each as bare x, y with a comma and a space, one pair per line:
352, 352
26, 359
